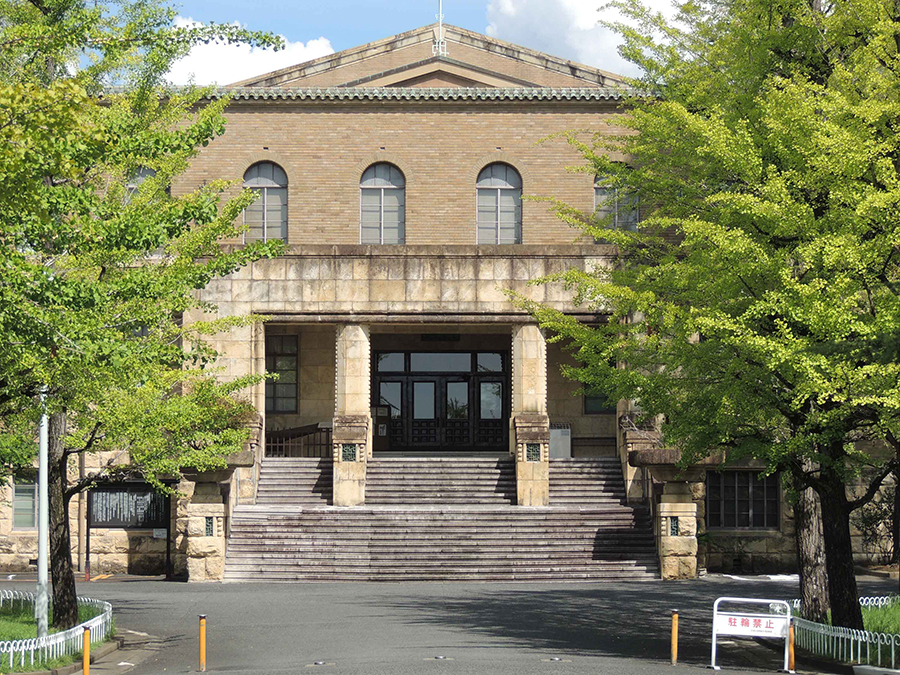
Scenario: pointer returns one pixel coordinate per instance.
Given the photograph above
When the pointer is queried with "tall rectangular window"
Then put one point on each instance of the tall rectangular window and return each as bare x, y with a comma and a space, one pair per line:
742, 499
24, 504
281, 359
619, 208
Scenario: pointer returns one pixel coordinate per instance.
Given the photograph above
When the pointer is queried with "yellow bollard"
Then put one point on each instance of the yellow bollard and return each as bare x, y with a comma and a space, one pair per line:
86, 652
791, 647
203, 643
674, 637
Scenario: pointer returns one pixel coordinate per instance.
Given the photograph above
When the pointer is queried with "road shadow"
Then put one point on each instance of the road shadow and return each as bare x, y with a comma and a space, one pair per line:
586, 619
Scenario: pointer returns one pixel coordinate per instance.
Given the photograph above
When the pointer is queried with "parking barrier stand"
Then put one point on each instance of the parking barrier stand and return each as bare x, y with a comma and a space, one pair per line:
674, 637
203, 643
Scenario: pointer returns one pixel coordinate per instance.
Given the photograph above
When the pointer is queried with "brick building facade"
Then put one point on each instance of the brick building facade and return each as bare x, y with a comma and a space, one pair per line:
396, 175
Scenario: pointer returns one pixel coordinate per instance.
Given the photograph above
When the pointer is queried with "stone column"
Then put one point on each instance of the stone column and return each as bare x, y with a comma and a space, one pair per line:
352, 440
676, 520
529, 423
205, 528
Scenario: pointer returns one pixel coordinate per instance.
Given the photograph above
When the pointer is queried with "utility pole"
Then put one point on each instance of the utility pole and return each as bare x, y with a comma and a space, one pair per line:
42, 605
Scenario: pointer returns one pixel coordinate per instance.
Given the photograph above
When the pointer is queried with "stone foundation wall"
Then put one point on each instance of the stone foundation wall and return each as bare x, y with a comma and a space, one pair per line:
127, 552
759, 551
113, 551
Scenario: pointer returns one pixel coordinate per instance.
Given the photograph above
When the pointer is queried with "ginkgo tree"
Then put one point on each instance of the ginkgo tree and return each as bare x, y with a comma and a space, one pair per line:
99, 261
756, 310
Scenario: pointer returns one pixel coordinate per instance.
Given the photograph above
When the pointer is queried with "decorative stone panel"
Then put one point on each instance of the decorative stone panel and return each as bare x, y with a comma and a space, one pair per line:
351, 441
531, 433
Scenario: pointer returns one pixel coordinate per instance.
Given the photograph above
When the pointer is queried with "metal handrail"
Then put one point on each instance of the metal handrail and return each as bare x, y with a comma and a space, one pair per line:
848, 644
64, 643
311, 440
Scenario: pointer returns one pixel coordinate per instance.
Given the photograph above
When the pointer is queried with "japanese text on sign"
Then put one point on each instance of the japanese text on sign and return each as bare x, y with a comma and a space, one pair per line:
127, 507
750, 625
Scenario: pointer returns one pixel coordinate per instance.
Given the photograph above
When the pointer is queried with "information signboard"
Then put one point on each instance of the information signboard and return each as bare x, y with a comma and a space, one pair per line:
773, 622
127, 507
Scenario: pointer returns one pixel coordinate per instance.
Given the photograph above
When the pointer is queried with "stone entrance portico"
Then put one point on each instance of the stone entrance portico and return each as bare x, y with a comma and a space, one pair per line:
353, 425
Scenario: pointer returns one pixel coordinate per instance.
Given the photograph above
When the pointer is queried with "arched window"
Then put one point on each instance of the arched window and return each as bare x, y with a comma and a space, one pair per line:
267, 216
499, 189
382, 205
616, 206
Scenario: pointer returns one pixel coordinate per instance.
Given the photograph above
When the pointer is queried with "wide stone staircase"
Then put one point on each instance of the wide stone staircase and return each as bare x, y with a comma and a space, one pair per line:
586, 482
294, 481
441, 519
441, 480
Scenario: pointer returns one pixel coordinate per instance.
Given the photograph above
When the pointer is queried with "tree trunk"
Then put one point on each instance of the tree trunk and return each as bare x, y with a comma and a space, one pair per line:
65, 603
842, 591
811, 556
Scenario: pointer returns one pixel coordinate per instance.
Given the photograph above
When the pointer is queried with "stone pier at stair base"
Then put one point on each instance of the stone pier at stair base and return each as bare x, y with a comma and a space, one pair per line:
678, 518
677, 523
204, 530
532, 438
351, 440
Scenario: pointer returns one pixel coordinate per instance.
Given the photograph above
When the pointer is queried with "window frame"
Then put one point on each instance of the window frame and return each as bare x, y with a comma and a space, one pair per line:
34, 503
608, 410
401, 224
264, 193
274, 384
615, 197
753, 475
498, 190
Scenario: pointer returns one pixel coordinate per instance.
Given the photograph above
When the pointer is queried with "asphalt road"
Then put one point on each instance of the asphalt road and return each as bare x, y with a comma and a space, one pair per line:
369, 629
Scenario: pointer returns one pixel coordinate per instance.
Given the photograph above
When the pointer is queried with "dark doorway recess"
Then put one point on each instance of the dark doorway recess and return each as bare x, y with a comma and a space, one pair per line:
446, 401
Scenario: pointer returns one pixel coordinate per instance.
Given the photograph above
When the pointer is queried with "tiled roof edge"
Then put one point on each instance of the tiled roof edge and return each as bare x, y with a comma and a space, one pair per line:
429, 93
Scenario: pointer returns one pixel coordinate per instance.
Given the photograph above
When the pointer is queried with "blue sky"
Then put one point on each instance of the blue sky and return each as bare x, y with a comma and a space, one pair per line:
564, 28
346, 23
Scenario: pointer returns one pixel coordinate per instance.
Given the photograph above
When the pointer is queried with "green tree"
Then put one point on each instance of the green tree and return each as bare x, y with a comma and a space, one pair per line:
100, 262
756, 309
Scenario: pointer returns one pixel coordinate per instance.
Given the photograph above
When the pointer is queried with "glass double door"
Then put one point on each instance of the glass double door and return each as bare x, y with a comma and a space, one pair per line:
452, 412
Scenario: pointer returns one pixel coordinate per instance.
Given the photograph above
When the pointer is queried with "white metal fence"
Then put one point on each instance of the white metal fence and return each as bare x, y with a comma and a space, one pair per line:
846, 644
33, 651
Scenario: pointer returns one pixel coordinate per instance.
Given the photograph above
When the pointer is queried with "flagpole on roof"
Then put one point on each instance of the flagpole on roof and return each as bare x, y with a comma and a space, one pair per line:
439, 48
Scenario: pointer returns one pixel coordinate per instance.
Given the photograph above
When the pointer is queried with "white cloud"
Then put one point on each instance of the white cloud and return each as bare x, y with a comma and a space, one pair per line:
225, 64
564, 28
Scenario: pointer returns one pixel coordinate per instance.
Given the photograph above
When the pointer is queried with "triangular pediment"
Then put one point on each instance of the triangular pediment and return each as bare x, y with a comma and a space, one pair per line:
439, 71
409, 60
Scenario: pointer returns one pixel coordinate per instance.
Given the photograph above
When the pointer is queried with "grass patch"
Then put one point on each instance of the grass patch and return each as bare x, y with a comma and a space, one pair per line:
882, 619
17, 623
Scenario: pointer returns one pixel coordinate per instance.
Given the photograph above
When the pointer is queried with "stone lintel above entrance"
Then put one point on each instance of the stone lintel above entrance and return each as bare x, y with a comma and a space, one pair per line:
405, 284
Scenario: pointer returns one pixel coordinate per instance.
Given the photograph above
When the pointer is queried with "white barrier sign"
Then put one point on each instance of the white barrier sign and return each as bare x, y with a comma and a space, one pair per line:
752, 625
771, 622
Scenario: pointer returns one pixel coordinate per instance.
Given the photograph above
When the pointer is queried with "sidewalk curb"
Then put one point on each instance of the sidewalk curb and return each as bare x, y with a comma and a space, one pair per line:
114, 644
814, 662
882, 574
873, 670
